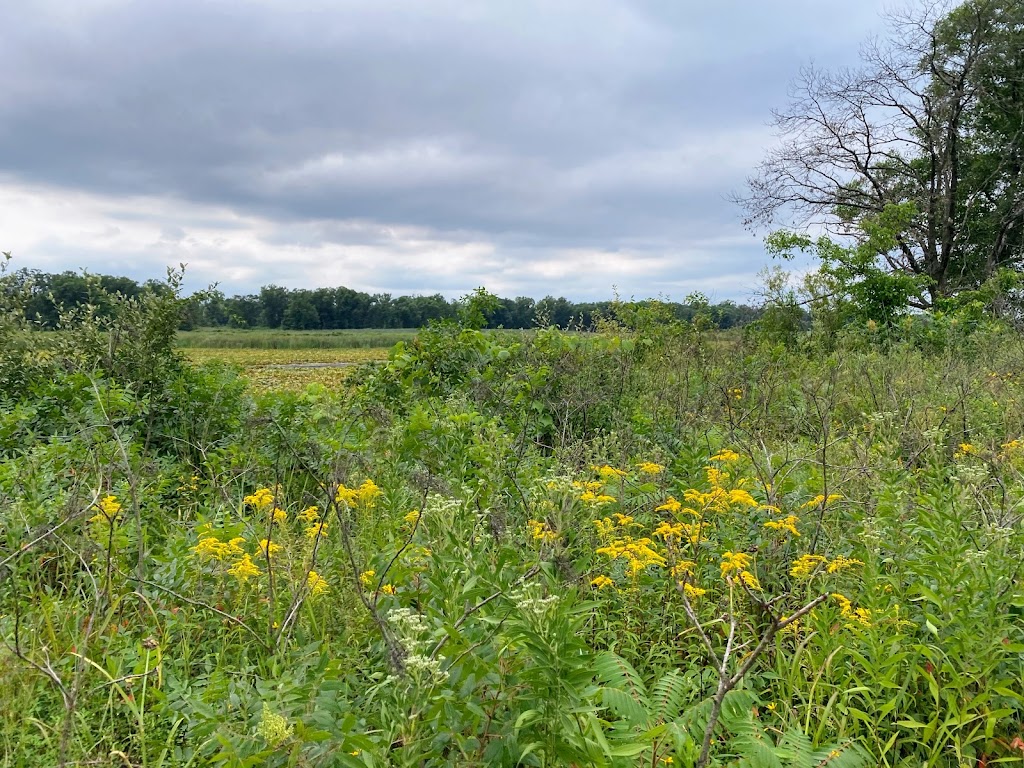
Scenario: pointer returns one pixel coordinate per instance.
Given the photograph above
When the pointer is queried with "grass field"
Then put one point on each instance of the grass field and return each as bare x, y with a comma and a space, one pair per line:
264, 338
291, 360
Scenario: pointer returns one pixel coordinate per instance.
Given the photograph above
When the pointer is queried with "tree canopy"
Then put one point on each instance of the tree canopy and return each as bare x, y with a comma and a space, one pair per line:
930, 125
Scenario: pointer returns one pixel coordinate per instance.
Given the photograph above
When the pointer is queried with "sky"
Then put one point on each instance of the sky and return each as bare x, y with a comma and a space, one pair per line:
573, 148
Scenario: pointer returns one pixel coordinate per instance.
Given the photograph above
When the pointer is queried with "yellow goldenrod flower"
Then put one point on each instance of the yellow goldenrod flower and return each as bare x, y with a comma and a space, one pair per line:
650, 468
734, 561
739, 563
541, 531
280, 515
683, 568
388, 589
638, 554
787, 523
716, 477
670, 531
605, 527
210, 547
317, 585
260, 499
346, 496
310, 515
625, 521
671, 505
244, 568
109, 507
412, 519
821, 500
692, 592
268, 548
317, 529
366, 577
368, 493
841, 563
601, 582
966, 449
590, 497
726, 456
805, 565
860, 616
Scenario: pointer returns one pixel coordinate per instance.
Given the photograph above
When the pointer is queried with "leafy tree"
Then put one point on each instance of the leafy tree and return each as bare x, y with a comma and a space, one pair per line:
273, 303
932, 122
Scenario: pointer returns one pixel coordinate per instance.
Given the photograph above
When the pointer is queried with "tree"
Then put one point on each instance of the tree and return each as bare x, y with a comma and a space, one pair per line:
933, 122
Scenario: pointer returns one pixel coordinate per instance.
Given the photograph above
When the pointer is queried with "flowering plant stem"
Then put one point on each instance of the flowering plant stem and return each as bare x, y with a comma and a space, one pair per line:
727, 681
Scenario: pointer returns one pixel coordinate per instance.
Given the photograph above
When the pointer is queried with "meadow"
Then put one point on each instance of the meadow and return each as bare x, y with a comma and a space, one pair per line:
648, 545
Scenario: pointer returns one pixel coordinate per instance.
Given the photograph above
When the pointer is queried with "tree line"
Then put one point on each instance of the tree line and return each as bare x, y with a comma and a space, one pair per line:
52, 294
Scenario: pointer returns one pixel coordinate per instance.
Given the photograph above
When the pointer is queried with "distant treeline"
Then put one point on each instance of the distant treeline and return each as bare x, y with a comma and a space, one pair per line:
333, 308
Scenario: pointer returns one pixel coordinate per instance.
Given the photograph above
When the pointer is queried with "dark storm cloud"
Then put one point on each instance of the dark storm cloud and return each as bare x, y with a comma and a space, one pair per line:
535, 128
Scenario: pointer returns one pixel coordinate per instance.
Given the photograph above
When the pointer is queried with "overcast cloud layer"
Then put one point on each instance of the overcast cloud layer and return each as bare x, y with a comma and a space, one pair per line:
533, 146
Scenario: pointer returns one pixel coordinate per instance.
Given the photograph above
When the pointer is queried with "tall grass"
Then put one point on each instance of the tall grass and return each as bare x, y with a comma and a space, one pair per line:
231, 338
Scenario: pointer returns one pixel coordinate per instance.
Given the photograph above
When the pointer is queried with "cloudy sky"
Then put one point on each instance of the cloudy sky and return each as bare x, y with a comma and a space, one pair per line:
535, 147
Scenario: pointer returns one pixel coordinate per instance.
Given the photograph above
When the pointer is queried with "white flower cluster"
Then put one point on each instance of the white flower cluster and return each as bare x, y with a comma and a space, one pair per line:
420, 667
529, 602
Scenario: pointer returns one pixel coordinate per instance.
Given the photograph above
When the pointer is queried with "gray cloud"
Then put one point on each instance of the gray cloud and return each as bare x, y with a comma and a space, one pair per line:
534, 132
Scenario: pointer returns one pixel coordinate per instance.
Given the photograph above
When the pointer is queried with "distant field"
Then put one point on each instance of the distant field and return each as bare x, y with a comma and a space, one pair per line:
232, 338
278, 360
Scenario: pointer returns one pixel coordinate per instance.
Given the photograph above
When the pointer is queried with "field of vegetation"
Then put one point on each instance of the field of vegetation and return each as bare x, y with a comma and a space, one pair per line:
644, 546
271, 364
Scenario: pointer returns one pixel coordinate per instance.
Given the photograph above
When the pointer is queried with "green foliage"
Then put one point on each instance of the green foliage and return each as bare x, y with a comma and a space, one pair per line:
510, 549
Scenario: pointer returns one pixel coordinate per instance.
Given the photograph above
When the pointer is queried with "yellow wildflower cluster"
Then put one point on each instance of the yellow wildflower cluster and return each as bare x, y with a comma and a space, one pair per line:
388, 589
601, 582
280, 516
638, 554
860, 616
821, 500
541, 531
260, 499
365, 496
739, 563
366, 578
841, 563
606, 527
316, 529
965, 450
805, 565
316, 584
212, 548
109, 508
692, 592
650, 468
735, 393
310, 515
412, 518
787, 523
583, 485
726, 456
683, 568
244, 568
670, 532
268, 548
589, 497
